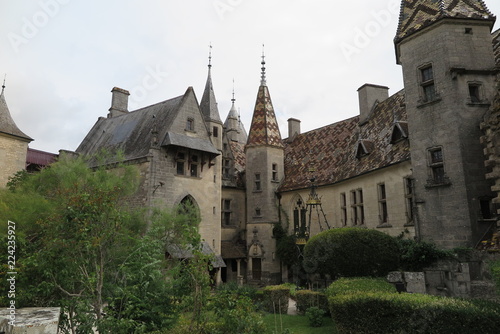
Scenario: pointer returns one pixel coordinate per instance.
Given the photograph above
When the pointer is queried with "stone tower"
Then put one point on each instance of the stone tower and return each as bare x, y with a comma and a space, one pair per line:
210, 111
13, 144
265, 159
445, 49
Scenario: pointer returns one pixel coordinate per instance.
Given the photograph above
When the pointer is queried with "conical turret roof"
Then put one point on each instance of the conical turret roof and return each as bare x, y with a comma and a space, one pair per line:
264, 130
208, 104
7, 124
416, 15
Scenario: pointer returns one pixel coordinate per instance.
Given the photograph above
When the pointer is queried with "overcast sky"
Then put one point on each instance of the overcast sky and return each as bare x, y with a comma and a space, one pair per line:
63, 57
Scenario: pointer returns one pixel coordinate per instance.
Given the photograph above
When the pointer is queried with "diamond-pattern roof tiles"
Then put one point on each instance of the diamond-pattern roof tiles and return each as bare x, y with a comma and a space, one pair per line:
418, 14
331, 150
264, 129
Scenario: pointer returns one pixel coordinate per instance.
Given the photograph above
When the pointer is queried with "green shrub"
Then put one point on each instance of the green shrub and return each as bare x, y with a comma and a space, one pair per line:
275, 298
234, 314
379, 312
351, 252
495, 273
416, 255
308, 298
344, 286
315, 316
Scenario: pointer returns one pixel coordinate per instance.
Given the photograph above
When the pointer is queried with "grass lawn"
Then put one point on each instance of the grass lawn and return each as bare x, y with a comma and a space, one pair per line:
297, 324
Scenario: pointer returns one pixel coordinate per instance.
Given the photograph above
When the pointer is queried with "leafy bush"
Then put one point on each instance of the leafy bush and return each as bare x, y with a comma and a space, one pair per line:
351, 252
276, 298
379, 312
495, 273
308, 298
416, 255
315, 316
234, 314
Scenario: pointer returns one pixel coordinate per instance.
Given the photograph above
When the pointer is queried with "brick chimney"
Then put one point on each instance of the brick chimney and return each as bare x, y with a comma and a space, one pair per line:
293, 128
368, 94
119, 102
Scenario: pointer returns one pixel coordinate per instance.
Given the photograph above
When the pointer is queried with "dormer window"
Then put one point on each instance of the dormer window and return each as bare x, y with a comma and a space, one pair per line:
364, 148
399, 132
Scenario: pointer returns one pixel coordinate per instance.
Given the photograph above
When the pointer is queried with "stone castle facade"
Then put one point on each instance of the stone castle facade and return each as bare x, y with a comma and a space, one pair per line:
411, 164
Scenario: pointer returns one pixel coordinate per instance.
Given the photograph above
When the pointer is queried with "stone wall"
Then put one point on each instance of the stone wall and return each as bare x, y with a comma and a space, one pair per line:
12, 157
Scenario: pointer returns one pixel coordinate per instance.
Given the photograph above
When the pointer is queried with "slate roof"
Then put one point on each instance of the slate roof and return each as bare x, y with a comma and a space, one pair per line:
264, 130
7, 124
331, 150
178, 252
415, 15
208, 104
135, 132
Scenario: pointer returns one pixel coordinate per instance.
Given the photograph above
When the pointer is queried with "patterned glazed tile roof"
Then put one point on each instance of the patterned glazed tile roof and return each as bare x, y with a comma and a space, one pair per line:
418, 14
238, 151
7, 124
331, 150
496, 46
264, 129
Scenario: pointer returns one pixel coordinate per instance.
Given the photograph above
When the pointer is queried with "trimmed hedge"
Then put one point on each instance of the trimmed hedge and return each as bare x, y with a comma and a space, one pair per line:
275, 298
344, 286
351, 252
356, 308
308, 298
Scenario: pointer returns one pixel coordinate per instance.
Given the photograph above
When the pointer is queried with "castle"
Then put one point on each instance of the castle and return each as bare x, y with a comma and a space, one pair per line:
411, 164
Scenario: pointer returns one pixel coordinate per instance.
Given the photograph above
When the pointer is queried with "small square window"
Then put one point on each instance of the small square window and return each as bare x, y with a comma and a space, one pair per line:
257, 182
474, 93
190, 124
468, 31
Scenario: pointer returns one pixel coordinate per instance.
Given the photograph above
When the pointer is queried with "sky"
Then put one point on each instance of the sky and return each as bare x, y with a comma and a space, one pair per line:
61, 58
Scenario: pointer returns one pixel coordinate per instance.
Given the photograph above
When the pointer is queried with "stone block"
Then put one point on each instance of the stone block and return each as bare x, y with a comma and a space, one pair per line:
30, 320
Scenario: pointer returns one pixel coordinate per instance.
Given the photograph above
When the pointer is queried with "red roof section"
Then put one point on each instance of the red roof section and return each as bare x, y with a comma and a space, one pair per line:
41, 158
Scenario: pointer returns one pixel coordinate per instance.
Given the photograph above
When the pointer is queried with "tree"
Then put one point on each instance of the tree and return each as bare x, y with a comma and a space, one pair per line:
351, 252
82, 247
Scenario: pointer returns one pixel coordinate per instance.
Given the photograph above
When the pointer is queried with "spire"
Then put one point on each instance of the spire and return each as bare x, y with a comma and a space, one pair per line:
208, 103
263, 68
7, 124
416, 15
264, 130
3, 85
234, 128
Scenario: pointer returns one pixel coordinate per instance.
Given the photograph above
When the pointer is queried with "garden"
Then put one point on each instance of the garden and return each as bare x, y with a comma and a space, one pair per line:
104, 265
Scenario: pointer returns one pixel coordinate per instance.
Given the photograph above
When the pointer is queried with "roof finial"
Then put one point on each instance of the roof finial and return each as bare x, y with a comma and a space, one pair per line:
263, 68
3, 85
233, 99
210, 56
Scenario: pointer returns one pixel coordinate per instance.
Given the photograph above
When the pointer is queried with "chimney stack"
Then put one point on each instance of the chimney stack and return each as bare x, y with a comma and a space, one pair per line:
119, 102
368, 94
293, 128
